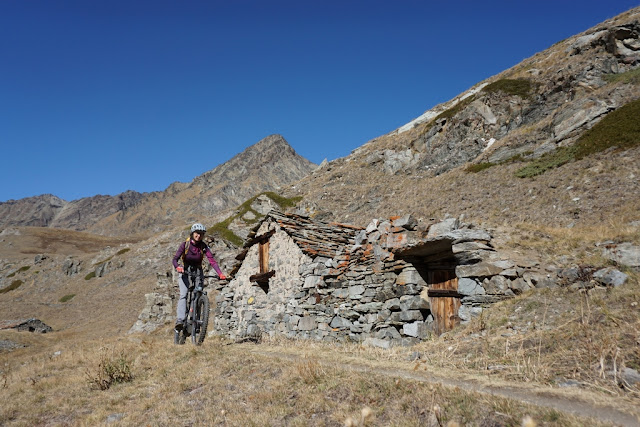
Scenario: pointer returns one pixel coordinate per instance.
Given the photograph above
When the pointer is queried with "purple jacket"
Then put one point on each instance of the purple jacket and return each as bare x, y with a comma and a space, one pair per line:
195, 255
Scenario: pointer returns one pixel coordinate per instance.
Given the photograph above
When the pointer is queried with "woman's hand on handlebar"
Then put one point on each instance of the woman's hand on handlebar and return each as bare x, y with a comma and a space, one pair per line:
180, 269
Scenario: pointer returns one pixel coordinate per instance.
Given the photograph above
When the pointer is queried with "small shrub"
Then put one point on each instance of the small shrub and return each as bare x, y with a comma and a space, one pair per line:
67, 297
90, 276
123, 251
14, 285
110, 371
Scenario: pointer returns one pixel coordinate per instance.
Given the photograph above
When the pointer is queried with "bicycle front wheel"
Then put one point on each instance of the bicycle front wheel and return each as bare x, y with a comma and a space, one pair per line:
202, 320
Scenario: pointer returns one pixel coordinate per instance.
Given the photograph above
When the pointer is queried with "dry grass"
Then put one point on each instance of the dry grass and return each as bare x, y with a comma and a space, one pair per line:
583, 243
552, 337
222, 384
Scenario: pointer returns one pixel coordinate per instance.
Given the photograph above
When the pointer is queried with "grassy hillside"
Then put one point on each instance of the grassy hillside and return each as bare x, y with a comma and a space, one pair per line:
150, 382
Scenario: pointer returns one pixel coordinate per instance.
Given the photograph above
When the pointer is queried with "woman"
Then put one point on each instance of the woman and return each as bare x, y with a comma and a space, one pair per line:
192, 252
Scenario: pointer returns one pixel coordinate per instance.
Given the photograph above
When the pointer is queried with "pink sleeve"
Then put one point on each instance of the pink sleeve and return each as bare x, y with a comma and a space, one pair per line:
212, 261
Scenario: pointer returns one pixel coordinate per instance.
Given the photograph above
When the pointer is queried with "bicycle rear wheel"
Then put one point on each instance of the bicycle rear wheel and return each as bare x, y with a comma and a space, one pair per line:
202, 320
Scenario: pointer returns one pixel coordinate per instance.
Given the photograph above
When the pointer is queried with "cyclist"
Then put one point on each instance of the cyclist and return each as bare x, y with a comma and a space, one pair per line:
192, 252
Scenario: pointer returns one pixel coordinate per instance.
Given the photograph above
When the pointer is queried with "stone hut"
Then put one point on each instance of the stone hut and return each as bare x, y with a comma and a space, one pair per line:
394, 282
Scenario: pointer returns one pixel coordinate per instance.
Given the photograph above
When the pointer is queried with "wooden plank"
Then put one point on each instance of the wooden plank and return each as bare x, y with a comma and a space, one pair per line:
444, 299
442, 293
261, 238
264, 256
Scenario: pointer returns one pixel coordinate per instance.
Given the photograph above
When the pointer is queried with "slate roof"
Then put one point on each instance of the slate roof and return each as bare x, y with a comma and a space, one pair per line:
315, 237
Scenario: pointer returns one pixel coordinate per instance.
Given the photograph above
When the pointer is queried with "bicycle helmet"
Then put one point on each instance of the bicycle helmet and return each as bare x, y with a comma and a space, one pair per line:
198, 227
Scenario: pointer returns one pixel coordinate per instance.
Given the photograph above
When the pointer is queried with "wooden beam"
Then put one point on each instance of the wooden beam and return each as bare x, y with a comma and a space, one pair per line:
437, 293
261, 238
263, 277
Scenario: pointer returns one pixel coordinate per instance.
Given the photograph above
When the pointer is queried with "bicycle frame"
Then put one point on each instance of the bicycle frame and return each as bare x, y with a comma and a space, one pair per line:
194, 325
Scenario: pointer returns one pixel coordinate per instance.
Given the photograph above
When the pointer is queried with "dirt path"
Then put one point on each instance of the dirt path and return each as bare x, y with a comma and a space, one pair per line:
536, 396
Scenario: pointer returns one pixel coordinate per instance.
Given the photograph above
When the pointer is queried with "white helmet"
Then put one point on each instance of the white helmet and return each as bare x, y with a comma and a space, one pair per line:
198, 227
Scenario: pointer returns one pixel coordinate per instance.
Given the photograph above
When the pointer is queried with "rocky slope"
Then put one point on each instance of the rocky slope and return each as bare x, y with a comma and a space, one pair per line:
543, 104
265, 166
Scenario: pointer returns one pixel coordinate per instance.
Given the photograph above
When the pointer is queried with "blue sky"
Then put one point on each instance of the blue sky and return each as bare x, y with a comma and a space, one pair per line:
104, 96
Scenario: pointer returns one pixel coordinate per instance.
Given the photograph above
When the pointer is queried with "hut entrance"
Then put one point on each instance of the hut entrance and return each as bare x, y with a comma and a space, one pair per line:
436, 263
444, 299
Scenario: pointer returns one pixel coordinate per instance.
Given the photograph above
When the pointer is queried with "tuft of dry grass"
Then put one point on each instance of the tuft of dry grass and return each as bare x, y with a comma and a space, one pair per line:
112, 369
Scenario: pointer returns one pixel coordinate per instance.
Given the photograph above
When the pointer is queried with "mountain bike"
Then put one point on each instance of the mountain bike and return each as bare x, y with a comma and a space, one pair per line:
197, 319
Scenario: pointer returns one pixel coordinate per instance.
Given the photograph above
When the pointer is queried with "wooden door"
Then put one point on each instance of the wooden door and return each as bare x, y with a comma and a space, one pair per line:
444, 299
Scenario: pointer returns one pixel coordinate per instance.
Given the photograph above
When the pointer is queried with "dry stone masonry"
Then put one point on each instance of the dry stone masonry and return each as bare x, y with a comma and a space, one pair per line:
337, 282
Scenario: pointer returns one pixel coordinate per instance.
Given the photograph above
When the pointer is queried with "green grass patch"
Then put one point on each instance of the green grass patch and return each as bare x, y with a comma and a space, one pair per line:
222, 228
90, 276
283, 202
477, 167
120, 252
517, 87
630, 77
14, 285
455, 109
20, 270
619, 129
67, 298
548, 161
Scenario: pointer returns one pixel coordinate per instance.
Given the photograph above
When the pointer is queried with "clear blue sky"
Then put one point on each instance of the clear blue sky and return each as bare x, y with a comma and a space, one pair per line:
103, 96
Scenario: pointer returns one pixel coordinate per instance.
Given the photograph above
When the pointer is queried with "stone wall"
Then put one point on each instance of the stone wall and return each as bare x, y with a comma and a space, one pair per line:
365, 292
245, 309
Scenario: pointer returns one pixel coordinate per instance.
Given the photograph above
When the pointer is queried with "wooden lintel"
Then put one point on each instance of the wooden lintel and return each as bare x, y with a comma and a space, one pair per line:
436, 293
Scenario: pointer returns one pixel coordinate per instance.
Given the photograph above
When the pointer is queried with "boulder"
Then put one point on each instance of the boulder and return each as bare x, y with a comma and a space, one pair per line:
481, 269
416, 329
467, 286
610, 277
624, 254
407, 222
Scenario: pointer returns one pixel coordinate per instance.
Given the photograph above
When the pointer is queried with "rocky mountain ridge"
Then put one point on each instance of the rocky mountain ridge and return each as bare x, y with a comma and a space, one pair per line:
265, 166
